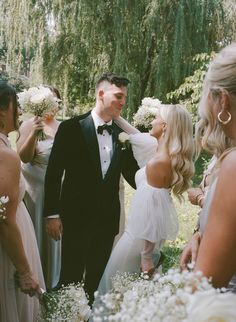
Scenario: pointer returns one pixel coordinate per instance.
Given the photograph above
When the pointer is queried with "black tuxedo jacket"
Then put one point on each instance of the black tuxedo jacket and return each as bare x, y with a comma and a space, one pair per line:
74, 187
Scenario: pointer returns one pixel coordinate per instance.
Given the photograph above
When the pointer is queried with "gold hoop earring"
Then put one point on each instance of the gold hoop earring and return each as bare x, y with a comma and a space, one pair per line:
224, 122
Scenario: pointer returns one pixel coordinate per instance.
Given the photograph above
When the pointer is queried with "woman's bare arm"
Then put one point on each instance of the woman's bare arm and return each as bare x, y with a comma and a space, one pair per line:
10, 235
217, 252
28, 136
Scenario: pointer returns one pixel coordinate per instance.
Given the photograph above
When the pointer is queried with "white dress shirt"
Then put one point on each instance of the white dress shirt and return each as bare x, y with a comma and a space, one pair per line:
104, 142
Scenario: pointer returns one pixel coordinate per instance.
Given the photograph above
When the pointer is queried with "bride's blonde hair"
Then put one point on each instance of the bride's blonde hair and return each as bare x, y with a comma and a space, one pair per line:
179, 141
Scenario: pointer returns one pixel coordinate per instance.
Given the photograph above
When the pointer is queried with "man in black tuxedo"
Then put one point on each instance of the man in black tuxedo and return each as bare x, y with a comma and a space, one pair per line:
82, 185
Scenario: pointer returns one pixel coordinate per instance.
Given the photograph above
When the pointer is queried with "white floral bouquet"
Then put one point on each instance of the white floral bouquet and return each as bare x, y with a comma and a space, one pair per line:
38, 101
3, 201
68, 304
146, 113
166, 298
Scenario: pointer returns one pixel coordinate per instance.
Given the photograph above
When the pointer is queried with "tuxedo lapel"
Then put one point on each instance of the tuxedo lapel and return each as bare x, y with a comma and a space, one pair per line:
89, 133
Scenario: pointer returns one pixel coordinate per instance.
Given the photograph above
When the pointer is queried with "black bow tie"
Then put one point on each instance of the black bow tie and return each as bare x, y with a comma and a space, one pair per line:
103, 127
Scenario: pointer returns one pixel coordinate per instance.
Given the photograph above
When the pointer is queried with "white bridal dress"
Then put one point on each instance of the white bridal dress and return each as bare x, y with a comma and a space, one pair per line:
34, 174
152, 217
16, 306
204, 218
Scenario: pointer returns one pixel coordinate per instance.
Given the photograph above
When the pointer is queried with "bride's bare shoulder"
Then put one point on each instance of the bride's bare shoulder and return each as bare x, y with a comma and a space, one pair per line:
159, 171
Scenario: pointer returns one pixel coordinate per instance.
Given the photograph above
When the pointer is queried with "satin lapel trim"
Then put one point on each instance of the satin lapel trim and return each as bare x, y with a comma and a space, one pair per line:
116, 152
89, 133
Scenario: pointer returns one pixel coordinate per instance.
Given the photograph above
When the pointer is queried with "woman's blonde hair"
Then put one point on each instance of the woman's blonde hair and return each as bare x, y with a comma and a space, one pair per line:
215, 141
179, 141
221, 76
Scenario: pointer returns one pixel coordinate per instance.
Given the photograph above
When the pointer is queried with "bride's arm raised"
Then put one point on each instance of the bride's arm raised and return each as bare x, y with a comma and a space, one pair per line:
126, 126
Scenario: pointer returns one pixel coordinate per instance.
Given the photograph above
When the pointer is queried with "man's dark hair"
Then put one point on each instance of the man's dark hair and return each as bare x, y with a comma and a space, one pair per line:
113, 79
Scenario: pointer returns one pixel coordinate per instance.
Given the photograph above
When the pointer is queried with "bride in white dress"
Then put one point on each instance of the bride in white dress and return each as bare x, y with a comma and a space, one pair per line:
19, 254
152, 218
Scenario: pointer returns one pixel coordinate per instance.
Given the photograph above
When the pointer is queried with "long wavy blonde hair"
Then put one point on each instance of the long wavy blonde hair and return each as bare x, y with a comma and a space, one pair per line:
221, 76
179, 141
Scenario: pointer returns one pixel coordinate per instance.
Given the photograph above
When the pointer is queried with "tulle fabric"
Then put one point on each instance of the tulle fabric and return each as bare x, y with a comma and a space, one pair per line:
34, 174
144, 147
152, 215
16, 306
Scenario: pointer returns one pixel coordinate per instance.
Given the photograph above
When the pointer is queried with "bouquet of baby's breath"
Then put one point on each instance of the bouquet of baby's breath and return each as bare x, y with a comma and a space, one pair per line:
173, 297
3, 201
146, 113
68, 304
38, 101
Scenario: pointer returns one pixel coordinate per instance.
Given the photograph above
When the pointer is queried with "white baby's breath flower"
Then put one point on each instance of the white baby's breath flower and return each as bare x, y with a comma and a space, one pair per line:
166, 298
3, 201
212, 306
68, 304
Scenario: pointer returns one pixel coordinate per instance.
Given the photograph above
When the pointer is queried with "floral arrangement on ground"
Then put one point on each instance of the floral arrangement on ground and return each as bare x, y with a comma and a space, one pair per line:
173, 297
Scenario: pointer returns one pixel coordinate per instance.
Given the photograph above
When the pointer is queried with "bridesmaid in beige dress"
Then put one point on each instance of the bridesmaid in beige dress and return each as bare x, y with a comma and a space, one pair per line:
213, 248
34, 155
19, 254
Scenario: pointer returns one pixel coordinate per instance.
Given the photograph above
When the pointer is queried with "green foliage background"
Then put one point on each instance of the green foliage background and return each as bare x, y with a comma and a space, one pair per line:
69, 43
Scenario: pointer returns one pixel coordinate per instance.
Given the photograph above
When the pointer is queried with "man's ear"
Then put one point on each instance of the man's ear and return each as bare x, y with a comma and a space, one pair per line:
101, 93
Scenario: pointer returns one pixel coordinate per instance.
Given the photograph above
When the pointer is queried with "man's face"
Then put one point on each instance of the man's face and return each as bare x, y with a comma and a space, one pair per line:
112, 99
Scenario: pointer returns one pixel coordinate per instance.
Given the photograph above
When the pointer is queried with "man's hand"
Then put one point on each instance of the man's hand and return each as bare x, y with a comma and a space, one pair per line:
54, 228
190, 251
